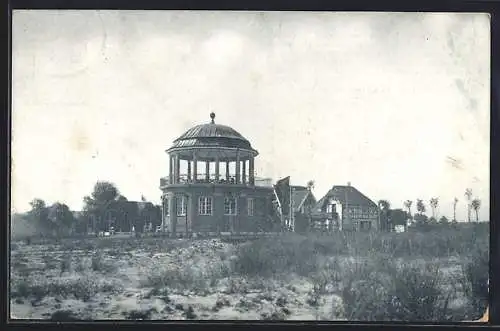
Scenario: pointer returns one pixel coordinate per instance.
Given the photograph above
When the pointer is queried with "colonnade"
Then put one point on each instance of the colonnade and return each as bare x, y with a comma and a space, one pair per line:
242, 176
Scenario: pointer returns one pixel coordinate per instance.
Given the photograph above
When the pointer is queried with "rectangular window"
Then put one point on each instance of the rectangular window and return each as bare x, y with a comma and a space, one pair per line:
205, 206
229, 206
166, 207
250, 206
181, 206
331, 208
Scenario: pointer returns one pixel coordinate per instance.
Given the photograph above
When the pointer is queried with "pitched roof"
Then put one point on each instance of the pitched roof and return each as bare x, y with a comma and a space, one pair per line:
300, 194
299, 187
346, 195
298, 198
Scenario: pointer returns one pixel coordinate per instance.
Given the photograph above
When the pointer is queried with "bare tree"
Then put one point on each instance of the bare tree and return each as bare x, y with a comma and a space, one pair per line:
434, 202
468, 195
476, 204
408, 204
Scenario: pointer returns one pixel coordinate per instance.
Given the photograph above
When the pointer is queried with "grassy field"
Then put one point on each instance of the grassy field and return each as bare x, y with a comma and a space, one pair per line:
439, 275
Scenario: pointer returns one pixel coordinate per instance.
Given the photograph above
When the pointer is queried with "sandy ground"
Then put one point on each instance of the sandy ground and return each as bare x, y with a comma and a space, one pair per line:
126, 286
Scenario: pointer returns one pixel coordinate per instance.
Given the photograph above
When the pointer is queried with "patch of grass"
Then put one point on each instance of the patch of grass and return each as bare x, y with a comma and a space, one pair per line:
139, 314
406, 292
66, 263
189, 313
64, 316
220, 303
176, 277
268, 257
101, 265
473, 282
83, 288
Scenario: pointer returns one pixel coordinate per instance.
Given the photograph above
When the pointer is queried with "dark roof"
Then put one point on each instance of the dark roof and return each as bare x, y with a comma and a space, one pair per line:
299, 187
212, 135
354, 197
300, 196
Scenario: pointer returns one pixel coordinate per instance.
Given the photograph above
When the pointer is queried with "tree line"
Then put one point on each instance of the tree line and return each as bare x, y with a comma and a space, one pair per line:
104, 209
392, 217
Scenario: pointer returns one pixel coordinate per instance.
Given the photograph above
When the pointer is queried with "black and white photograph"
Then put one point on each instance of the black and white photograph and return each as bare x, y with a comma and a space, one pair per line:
250, 165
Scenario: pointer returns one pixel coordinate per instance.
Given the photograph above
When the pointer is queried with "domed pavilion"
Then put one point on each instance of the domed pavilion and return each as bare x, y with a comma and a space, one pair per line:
211, 187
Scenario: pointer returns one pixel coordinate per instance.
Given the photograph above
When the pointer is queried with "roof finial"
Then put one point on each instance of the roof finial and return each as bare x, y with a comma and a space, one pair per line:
212, 116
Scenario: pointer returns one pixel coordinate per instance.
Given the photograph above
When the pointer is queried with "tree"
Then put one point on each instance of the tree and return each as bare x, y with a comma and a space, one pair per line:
420, 206
408, 204
432, 220
476, 204
455, 201
434, 202
38, 215
468, 195
61, 218
421, 219
399, 217
97, 205
121, 198
384, 212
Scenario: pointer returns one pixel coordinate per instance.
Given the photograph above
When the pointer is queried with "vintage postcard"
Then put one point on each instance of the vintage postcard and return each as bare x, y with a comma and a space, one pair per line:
244, 165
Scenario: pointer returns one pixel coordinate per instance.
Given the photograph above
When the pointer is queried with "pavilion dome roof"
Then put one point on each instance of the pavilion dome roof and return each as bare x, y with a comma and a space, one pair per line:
211, 135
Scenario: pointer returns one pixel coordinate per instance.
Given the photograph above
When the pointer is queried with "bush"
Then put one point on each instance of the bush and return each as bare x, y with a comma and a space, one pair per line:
269, 257
83, 288
474, 282
99, 264
390, 292
64, 316
178, 277
66, 263
417, 294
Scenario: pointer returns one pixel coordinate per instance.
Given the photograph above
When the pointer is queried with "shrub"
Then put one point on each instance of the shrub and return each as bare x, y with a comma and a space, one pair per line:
364, 292
269, 257
139, 314
64, 316
99, 264
83, 288
417, 294
178, 277
381, 292
66, 263
473, 282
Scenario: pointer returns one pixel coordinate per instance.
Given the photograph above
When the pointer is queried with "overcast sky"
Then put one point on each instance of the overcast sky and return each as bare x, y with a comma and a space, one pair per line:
383, 100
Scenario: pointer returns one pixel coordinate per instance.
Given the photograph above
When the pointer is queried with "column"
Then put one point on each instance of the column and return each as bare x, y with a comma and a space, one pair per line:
227, 171
207, 171
217, 169
244, 171
189, 170
195, 168
170, 169
237, 168
251, 171
173, 213
177, 169
163, 213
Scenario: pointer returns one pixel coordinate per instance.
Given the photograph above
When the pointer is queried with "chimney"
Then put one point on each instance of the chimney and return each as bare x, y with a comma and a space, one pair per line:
348, 183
